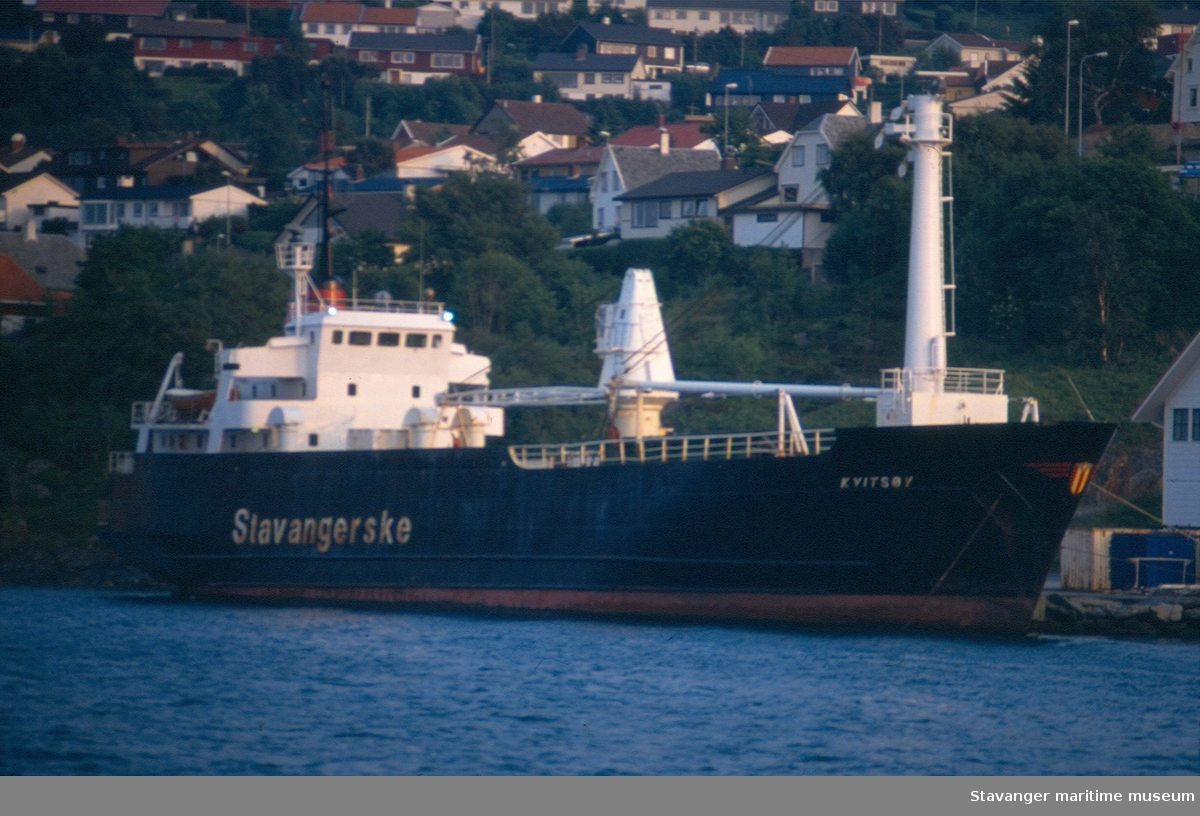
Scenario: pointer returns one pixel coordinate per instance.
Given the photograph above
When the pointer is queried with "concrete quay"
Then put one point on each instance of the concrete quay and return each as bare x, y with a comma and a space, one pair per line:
1164, 611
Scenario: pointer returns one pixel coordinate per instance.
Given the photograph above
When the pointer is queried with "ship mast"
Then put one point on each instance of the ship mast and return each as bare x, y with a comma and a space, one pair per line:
926, 391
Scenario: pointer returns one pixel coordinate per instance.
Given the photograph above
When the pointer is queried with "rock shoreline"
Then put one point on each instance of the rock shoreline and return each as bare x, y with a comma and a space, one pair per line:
1158, 612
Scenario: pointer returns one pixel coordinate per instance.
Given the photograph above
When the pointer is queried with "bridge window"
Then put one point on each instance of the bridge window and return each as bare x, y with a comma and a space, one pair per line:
360, 338
416, 340
389, 339
352, 389
416, 392
336, 337
437, 341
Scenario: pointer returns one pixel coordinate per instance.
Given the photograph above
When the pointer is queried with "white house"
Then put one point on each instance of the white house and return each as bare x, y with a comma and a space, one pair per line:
794, 213
708, 16
168, 206
628, 168
416, 162
26, 197
311, 175
1174, 403
656, 209
1184, 75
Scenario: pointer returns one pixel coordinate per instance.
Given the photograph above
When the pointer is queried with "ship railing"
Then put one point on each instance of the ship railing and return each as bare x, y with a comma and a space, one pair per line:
954, 380
142, 413
415, 307
656, 449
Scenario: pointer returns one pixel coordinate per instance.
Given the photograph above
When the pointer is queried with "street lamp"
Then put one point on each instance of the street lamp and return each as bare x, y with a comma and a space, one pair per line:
1081, 62
728, 87
1067, 96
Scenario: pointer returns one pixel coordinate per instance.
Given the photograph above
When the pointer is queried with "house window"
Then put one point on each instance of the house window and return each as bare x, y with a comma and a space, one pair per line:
822, 155
604, 182
447, 61
73, 19
651, 50
681, 15
669, 53
217, 45
664, 209
1192, 97
564, 80
589, 79
798, 156
1189, 65
154, 43
345, 28
768, 218
527, 8
1179, 427
826, 5
644, 214
599, 218
250, 46
185, 43
724, 17
612, 79
137, 209
404, 56
791, 193
368, 56
330, 28
313, 28
152, 209
1196, 424
95, 213
118, 211
181, 209
704, 15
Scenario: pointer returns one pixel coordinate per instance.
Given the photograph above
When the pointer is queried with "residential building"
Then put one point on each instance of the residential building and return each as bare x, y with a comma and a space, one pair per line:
1177, 21
628, 168
688, 135
20, 158
706, 16
311, 175
475, 9
162, 44
426, 134
564, 125
1184, 75
888, 8
974, 49
584, 75
814, 60
1174, 405
794, 213
36, 198
559, 176
656, 209
890, 65
994, 84
49, 264
661, 50
779, 85
411, 59
616, 5
110, 15
87, 168
439, 162
788, 117
333, 22
178, 161
359, 208
175, 206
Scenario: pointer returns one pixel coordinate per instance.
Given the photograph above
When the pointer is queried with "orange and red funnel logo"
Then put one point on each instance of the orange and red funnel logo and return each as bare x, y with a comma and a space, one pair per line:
1077, 473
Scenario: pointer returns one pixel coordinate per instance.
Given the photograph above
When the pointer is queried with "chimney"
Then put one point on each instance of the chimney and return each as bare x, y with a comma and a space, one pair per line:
729, 163
875, 113
30, 230
581, 52
664, 141
18, 141
607, 20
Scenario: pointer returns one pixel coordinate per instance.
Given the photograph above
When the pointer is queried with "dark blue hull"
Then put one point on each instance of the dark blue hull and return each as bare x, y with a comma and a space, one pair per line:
936, 526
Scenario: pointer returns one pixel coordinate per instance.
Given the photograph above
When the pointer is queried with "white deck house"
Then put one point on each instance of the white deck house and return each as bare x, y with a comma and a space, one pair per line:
1174, 403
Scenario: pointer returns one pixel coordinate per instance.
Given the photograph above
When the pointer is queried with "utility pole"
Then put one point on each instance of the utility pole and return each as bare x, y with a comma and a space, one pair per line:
1067, 95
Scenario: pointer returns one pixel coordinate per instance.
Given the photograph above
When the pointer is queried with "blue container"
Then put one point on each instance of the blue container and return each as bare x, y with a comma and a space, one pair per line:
1122, 547
1168, 545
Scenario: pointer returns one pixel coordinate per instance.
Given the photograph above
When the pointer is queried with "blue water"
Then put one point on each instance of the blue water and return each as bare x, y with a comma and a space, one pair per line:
114, 683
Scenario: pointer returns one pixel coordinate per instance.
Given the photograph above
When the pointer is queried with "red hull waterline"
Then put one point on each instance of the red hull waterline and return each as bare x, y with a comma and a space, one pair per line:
995, 614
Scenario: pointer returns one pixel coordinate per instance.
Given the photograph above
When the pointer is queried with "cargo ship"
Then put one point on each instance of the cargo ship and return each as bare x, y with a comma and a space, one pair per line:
347, 461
